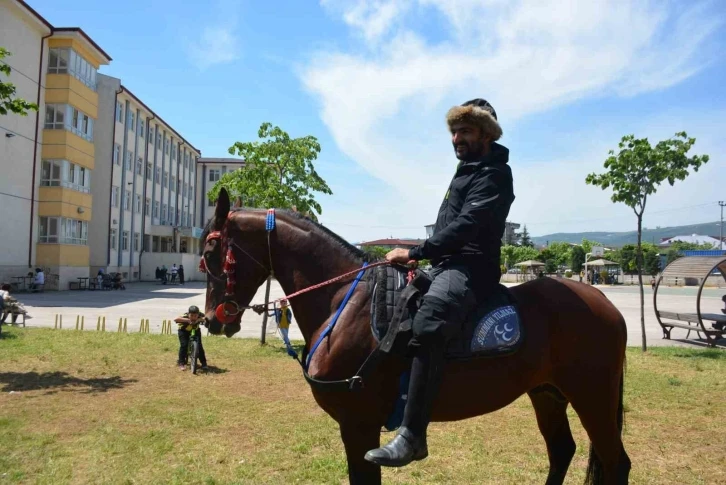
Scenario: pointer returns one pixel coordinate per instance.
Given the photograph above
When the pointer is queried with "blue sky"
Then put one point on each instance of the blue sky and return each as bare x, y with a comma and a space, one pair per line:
372, 79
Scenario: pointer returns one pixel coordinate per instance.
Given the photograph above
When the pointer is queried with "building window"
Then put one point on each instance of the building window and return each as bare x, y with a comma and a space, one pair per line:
127, 200
125, 241
156, 209
173, 152
61, 230
119, 112
178, 185
165, 245
147, 206
137, 238
132, 121
129, 160
68, 61
166, 145
149, 169
155, 244
184, 190
114, 196
137, 203
62, 173
210, 203
214, 175
163, 214
157, 175
117, 154
141, 127
165, 183
114, 236
55, 116
173, 184
63, 116
139, 166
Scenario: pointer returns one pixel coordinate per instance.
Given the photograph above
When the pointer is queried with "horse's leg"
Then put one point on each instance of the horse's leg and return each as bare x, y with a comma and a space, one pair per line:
358, 438
599, 404
551, 411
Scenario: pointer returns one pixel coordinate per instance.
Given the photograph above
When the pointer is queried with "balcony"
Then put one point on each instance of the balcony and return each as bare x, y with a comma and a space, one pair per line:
66, 89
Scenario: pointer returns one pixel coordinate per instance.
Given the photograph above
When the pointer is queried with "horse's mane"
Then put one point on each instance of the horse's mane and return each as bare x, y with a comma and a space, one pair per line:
308, 223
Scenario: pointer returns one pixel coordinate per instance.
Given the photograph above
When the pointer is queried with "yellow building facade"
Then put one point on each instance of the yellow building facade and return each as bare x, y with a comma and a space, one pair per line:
49, 166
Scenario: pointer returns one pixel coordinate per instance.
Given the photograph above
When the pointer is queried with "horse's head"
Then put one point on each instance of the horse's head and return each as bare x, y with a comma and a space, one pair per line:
233, 248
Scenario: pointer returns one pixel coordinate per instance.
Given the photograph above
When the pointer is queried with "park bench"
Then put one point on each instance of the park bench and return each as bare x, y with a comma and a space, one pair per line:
698, 268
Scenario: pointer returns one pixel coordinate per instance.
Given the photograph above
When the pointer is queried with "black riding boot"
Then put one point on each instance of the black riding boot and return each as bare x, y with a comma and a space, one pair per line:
409, 444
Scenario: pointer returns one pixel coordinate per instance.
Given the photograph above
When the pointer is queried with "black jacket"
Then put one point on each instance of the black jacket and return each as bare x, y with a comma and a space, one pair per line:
471, 220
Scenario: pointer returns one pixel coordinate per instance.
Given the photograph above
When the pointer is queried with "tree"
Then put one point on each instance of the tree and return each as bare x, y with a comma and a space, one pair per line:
562, 252
524, 239
278, 172
578, 258
378, 252
8, 103
636, 171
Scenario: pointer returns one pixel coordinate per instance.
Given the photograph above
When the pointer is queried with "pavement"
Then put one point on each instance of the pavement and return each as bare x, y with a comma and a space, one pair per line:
157, 302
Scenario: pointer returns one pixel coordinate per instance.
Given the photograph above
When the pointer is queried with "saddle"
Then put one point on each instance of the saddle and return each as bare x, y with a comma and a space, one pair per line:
492, 329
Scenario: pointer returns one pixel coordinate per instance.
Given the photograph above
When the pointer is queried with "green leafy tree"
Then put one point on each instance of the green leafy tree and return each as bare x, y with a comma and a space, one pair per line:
636, 172
278, 172
506, 257
577, 258
524, 238
378, 252
524, 253
550, 266
8, 101
561, 252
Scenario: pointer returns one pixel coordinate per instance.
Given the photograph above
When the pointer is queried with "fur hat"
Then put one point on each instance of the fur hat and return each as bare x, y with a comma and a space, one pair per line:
477, 112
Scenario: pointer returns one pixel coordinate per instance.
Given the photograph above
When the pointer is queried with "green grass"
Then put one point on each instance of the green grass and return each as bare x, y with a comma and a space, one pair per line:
87, 407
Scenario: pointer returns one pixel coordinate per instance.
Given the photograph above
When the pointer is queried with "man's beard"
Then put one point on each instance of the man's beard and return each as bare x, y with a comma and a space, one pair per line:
472, 151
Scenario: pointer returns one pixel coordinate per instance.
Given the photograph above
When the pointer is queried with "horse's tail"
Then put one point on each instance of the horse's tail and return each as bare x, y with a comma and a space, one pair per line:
595, 475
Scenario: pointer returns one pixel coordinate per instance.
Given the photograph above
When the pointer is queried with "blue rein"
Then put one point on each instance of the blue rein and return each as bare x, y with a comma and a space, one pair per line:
332, 323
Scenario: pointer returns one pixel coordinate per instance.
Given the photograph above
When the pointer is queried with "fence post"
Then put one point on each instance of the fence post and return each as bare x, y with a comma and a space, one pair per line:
264, 316
55, 326
120, 321
78, 321
98, 324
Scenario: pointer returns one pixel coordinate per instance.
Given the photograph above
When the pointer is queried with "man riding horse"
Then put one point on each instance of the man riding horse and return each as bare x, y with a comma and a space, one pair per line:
465, 252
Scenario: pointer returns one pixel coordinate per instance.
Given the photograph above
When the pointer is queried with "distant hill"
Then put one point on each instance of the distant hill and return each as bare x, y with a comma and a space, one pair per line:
617, 239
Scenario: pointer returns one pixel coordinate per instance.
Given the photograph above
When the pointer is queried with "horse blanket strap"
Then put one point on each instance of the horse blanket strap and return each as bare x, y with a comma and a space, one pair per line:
357, 382
332, 323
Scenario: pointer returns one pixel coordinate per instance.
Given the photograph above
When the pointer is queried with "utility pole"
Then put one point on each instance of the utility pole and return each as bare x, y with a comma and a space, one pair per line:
720, 239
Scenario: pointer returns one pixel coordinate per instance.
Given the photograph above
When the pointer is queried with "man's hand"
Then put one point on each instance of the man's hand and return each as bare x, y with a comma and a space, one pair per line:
398, 255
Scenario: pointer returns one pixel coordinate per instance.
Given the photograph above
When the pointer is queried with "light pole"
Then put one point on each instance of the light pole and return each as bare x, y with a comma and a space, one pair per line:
720, 239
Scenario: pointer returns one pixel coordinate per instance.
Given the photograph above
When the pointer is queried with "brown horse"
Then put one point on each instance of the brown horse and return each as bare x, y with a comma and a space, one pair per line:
573, 352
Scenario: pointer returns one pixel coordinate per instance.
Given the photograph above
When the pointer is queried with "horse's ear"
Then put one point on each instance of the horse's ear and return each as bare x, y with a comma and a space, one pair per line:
222, 205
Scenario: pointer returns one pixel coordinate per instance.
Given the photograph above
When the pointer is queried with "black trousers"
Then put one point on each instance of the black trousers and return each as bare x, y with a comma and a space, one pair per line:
450, 299
184, 337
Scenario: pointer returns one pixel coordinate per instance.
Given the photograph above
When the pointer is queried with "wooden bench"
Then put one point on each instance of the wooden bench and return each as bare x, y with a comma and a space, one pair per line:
13, 318
692, 324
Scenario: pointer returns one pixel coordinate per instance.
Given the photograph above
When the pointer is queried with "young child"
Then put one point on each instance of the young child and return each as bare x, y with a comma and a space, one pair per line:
187, 322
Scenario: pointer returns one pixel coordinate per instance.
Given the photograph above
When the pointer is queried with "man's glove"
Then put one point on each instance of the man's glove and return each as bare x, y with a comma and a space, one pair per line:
258, 309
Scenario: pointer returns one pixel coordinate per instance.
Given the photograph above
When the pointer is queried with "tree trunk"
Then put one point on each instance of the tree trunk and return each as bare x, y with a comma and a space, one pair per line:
639, 262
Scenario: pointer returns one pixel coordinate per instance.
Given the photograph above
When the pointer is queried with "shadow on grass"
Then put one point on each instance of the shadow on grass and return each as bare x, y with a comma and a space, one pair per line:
698, 353
7, 335
59, 381
213, 370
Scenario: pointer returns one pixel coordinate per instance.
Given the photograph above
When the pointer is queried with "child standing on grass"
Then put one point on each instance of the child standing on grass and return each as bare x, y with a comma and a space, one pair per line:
188, 322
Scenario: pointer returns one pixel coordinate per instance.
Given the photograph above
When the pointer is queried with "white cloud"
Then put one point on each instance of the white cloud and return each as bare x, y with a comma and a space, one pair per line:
217, 42
384, 106
373, 18
216, 45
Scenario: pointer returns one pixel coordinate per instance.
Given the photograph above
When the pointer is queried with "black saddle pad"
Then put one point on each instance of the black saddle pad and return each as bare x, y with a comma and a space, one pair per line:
493, 329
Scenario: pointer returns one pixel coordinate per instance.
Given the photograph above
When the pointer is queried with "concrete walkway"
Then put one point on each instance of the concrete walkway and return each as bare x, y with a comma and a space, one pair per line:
157, 302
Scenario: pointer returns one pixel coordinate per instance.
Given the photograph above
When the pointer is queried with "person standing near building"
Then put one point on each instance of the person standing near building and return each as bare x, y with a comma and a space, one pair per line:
181, 274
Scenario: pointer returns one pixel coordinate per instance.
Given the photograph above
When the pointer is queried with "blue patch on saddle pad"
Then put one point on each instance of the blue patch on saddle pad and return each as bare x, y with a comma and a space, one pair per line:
499, 329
